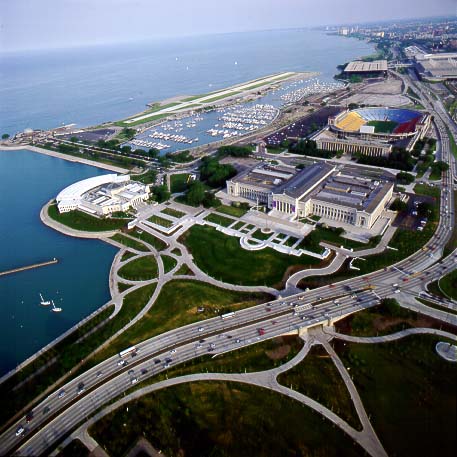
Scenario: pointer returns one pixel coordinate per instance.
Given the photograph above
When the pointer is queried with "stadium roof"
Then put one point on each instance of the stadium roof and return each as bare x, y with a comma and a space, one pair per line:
358, 66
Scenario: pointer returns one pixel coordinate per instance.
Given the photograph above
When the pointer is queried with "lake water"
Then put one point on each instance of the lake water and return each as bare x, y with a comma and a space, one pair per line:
87, 86
78, 283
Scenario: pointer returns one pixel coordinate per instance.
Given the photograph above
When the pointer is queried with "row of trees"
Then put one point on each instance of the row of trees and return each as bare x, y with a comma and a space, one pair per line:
309, 148
214, 173
234, 151
399, 158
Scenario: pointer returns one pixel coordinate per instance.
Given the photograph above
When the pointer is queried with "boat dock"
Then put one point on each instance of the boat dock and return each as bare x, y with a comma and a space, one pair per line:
29, 267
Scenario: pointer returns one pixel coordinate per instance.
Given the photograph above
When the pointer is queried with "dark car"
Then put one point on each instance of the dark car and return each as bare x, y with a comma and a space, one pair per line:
156, 361
29, 417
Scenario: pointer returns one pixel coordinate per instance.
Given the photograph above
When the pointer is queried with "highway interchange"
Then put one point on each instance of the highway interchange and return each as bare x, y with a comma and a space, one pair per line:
55, 417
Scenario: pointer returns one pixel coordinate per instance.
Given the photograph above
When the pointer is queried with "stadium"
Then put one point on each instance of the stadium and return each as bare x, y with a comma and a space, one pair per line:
381, 123
373, 131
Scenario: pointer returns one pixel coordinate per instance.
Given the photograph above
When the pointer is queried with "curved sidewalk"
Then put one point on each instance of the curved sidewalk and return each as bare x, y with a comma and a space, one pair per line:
391, 337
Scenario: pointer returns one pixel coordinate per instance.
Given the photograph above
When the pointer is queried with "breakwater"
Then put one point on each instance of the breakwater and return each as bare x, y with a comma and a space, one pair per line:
29, 267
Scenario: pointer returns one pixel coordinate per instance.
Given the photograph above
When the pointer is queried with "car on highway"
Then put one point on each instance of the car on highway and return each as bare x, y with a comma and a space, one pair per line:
46, 410
212, 345
261, 331
20, 430
29, 417
200, 329
121, 363
62, 393
173, 351
81, 388
144, 370
156, 361
99, 373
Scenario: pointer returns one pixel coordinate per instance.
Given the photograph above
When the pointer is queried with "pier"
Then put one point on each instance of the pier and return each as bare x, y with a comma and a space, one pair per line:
29, 267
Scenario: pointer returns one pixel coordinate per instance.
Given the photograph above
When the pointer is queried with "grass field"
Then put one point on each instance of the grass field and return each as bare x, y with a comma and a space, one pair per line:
178, 183
129, 242
405, 241
448, 284
177, 305
168, 263
317, 377
409, 393
150, 239
81, 221
222, 419
160, 221
222, 257
383, 126
219, 220
173, 212
140, 269
231, 210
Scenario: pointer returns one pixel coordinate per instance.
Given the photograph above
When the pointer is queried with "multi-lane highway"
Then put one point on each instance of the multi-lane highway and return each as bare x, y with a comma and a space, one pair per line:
62, 410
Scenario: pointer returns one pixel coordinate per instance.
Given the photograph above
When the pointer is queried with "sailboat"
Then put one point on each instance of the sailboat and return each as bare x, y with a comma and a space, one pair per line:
44, 302
54, 307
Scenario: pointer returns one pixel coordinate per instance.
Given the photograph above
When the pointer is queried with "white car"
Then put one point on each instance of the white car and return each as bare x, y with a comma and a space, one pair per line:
20, 430
200, 329
173, 351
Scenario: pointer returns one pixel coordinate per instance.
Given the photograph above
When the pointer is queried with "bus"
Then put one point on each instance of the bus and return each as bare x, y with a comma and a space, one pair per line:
226, 315
129, 351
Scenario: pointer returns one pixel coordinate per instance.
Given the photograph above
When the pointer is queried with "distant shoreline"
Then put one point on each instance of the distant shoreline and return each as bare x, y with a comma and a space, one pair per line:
70, 158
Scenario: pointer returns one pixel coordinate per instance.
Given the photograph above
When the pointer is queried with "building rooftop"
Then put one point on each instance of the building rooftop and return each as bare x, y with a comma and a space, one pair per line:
358, 66
305, 180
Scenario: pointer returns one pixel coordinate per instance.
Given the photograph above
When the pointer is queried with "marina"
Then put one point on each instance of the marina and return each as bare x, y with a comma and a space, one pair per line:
186, 130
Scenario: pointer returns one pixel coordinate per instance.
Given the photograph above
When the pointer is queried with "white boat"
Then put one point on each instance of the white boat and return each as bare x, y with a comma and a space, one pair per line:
44, 302
54, 308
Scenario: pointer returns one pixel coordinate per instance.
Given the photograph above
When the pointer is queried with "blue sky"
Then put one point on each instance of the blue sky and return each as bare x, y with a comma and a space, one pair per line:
27, 24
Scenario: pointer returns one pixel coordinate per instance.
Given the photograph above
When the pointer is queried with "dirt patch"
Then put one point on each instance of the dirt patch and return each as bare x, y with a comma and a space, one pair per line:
278, 353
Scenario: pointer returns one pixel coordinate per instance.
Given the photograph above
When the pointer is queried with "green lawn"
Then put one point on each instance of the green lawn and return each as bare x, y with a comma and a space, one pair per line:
405, 241
222, 419
231, 210
81, 221
219, 220
409, 393
129, 242
177, 306
168, 263
150, 239
149, 177
173, 212
448, 284
383, 126
160, 221
452, 143
317, 377
140, 269
127, 255
74, 449
424, 189
222, 257
259, 235
311, 242
178, 183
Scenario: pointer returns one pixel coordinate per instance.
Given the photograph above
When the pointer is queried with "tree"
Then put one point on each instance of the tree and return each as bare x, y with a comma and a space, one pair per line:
161, 193
404, 178
214, 173
5, 136
196, 193
234, 151
153, 153
74, 139
398, 205
425, 209
440, 166
210, 200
